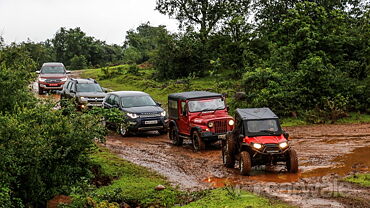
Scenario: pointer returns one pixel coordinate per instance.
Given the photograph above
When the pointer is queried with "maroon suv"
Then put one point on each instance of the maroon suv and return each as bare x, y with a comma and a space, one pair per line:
52, 76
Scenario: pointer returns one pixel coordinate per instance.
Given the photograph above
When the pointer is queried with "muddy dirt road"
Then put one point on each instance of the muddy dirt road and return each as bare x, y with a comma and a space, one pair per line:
326, 154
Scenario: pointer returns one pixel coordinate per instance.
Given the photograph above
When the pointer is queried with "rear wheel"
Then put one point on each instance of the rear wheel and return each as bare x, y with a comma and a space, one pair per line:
292, 161
245, 163
198, 143
174, 136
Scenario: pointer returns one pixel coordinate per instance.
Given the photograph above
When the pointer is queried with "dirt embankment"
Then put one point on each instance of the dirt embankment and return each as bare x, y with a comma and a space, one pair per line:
326, 154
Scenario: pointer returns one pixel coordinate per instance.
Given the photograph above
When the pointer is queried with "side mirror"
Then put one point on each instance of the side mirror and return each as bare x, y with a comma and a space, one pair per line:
68, 72
38, 72
159, 104
227, 108
286, 135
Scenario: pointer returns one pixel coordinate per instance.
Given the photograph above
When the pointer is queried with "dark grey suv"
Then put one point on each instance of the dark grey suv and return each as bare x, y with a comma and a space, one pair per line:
86, 92
142, 112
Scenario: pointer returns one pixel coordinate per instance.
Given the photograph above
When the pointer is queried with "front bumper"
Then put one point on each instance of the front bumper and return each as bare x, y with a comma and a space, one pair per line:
54, 86
211, 136
147, 124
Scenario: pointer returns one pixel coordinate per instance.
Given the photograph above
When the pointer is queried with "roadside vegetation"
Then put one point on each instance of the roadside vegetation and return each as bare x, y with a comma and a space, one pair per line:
361, 179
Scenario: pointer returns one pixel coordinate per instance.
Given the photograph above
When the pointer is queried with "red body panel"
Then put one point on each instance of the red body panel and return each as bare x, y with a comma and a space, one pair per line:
265, 139
201, 119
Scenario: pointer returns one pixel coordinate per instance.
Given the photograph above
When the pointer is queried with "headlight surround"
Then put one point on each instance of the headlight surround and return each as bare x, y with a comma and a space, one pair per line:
163, 113
231, 122
210, 124
64, 79
83, 99
42, 79
132, 115
257, 146
283, 145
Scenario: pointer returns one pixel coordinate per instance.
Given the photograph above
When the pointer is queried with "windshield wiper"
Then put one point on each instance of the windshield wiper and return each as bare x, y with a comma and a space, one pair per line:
268, 131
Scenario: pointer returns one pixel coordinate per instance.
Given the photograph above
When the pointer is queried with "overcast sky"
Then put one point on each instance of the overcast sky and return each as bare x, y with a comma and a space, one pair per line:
106, 20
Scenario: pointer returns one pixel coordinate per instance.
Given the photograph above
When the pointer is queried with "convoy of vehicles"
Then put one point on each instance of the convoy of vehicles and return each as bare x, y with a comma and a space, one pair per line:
142, 113
198, 115
257, 139
52, 76
254, 138
86, 93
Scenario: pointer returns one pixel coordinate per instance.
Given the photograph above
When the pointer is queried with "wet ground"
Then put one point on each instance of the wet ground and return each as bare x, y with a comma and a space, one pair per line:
326, 154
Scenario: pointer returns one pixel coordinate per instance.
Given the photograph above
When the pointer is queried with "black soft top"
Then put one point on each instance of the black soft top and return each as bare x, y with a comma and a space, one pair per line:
255, 113
192, 95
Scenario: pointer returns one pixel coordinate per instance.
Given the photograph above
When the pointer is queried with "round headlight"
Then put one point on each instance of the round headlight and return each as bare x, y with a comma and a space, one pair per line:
231, 122
257, 146
283, 145
210, 124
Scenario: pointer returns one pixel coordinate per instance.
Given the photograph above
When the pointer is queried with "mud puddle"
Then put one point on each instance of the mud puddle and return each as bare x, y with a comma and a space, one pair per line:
325, 152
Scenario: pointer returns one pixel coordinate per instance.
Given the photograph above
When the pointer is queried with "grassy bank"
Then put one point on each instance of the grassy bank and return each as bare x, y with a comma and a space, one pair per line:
361, 179
126, 77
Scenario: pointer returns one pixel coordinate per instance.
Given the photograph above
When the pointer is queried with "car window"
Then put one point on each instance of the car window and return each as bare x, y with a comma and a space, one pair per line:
115, 100
183, 107
262, 125
137, 101
53, 70
109, 100
91, 87
173, 109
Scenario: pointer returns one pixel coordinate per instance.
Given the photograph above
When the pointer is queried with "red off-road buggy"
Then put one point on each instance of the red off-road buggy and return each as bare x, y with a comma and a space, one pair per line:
198, 115
257, 139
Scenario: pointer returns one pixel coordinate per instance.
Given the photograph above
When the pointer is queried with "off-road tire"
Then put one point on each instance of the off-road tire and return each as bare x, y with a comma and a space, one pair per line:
41, 91
245, 163
227, 158
174, 136
292, 161
122, 129
198, 142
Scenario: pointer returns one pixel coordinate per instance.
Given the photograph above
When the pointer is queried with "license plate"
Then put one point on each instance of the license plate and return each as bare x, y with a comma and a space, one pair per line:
151, 122
53, 84
223, 136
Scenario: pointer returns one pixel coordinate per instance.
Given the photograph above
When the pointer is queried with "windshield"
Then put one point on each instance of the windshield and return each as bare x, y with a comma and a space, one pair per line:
137, 101
89, 88
206, 105
53, 70
262, 126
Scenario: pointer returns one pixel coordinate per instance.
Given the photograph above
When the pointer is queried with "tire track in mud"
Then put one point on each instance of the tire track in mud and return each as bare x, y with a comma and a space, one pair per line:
326, 153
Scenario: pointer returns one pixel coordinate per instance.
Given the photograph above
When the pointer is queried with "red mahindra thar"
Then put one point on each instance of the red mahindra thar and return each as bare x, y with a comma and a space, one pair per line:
198, 115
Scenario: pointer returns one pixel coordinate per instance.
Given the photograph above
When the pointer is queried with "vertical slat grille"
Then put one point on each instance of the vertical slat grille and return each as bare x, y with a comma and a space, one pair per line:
220, 126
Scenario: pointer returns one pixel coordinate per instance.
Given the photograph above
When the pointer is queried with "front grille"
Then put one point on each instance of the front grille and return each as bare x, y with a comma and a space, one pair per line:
220, 126
53, 80
272, 148
95, 100
149, 115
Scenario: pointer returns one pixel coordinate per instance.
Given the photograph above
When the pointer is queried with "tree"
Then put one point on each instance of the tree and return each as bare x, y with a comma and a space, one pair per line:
204, 13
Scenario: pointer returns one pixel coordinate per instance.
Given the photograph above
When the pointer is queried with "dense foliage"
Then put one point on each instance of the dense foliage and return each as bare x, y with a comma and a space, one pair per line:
44, 152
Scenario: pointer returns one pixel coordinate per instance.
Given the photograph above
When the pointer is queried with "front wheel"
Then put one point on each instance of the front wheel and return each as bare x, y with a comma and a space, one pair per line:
228, 158
292, 161
123, 130
198, 143
245, 163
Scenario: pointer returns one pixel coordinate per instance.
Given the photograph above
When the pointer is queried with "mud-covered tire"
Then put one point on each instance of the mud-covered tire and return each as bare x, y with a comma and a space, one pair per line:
122, 129
41, 91
174, 136
198, 142
292, 161
245, 163
227, 159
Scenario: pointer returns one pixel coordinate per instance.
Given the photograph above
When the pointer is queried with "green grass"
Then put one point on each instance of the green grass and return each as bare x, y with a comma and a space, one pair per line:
355, 118
361, 179
226, 198
133, 184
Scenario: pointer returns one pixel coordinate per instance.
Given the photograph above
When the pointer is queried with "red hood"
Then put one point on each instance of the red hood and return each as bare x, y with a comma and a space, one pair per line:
265, 139
53, 75
205, 117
